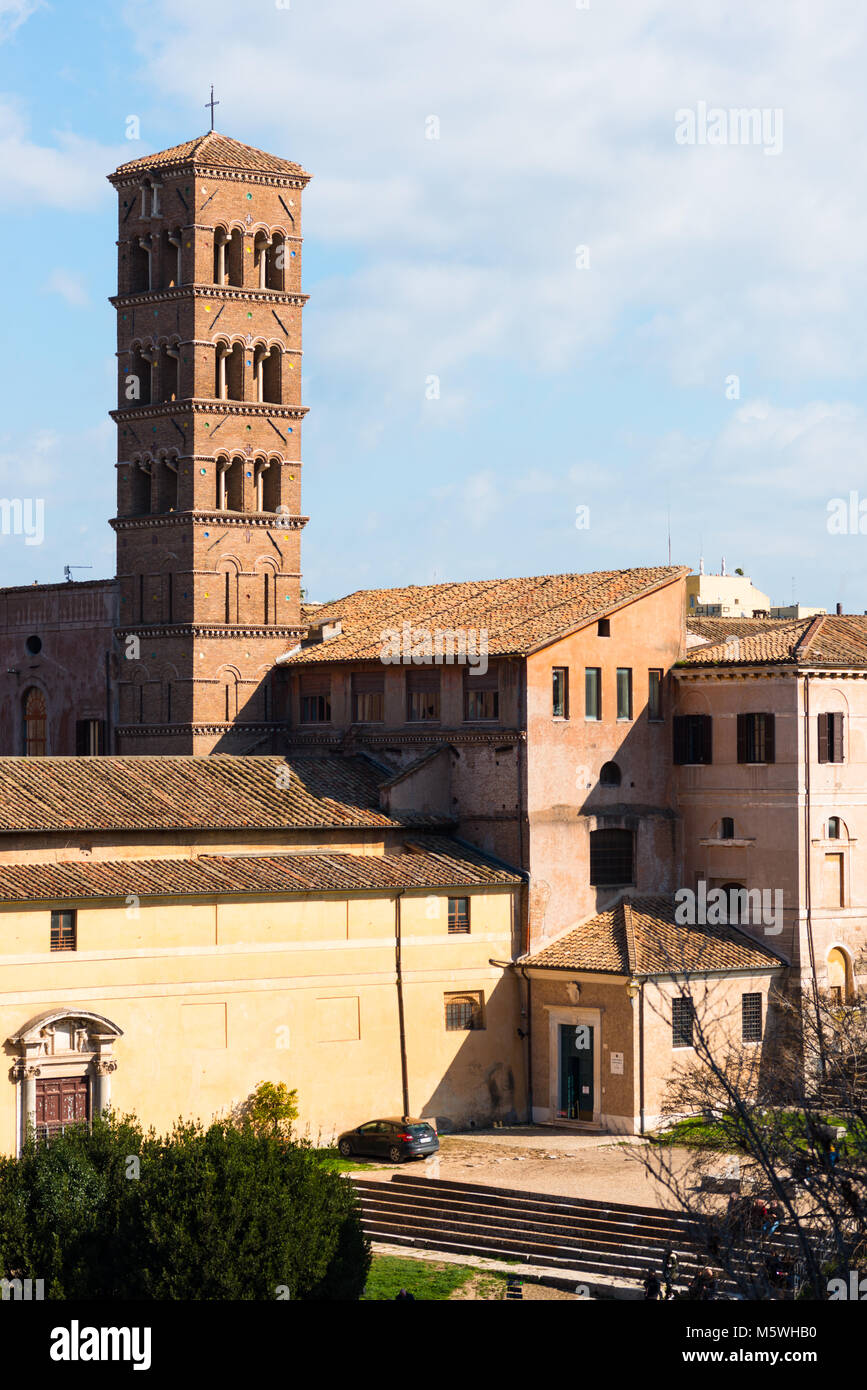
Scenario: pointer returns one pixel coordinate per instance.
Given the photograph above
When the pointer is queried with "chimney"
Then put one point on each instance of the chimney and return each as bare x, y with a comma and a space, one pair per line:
701, 565
723, 565
839, 610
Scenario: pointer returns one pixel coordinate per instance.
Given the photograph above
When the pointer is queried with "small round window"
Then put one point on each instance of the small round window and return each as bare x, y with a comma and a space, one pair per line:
610, 775
34, 645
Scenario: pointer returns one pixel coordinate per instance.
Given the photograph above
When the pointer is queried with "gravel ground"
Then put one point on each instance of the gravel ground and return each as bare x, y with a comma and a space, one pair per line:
601, 1167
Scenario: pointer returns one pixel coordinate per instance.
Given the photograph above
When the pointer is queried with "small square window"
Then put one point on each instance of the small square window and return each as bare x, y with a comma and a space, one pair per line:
464, 1012
459, 916
603, 627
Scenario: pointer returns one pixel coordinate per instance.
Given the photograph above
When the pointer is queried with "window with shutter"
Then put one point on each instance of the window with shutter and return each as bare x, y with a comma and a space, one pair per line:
756, 738
693, 738
830, 729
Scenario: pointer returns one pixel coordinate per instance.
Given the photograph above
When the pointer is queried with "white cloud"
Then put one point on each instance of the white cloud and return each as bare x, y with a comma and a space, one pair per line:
13, 14
69, 174
69, 284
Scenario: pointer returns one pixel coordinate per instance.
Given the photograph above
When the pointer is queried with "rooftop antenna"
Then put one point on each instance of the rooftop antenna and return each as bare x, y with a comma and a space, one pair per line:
212, 104
67, 571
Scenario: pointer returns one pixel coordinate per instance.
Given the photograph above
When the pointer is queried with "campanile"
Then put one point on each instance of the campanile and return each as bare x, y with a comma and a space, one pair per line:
209, 414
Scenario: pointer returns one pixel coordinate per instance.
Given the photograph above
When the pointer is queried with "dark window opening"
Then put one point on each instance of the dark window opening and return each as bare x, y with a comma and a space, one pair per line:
89, 737
833, 827
693, 738
315, 709
603, 627
682, 1019
35, 725
612, 858
654, 695
422, 696
560, 692
34, 645
727, 828
830, 738
610, 775
751, 1017
755, 738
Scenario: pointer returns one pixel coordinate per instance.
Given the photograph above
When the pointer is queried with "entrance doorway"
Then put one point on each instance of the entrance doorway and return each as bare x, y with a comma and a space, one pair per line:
61, 1102
575, 1094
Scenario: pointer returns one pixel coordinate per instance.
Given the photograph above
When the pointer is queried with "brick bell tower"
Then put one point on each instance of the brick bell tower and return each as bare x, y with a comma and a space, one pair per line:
209, 415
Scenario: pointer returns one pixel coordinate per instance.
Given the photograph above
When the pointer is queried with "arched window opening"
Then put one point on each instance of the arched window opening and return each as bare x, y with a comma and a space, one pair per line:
272, 375
727, 828
221, 237
235, 485
261, 258
171, 253
139, 266
271, 487
222, 469
235, 259
234, 368
276, 269
834, 828
840, 979
262, 467
170, 368
35, 724
610, 775
138, 382
167, 487
140, 488
146, 243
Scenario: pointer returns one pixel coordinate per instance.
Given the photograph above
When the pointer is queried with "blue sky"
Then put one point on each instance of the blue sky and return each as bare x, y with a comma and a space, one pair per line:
602, 385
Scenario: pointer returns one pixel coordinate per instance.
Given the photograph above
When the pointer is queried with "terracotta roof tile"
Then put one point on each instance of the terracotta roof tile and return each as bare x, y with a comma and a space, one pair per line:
439, 863
517, 614
639, 936
824, 640
215, 151
218, 792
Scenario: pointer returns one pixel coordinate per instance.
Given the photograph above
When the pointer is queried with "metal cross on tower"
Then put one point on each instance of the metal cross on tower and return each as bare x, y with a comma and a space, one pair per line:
212, 104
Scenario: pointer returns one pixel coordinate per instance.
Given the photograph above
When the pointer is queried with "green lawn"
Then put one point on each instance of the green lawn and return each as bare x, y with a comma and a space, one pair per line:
699, 1133
427, 1280
330, 1158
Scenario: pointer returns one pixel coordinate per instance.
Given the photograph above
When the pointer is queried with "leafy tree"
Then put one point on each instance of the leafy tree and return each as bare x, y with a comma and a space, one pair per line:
271, 1109
203, 1213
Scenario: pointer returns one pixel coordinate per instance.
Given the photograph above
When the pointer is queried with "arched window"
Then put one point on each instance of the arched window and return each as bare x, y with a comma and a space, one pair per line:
610, 775
140, 489
235, 485
840, 982
272, 375
261, 258
727, 828
235, 259
834, 828
35, 735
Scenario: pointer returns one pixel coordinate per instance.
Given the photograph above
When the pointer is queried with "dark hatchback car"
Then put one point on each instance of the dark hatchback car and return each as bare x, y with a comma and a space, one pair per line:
393, 1139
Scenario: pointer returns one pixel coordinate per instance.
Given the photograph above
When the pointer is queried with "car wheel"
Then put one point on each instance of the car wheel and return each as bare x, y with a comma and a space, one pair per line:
395, 1154
345, 1148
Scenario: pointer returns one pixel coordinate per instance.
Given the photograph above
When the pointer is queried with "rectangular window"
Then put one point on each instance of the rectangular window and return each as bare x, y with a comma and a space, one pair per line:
593, 692
612, 858
560, 692
315, 698
624, 692
693, 738
90, 737
459, 916
464, 1012
755, 738
481, 695
682, 1017
368, 697
654, 695
833, 882
422, 696
751, 1017
830, 738
63, 932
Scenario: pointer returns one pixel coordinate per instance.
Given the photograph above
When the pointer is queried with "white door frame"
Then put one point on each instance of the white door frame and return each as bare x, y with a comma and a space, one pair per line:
576, 1015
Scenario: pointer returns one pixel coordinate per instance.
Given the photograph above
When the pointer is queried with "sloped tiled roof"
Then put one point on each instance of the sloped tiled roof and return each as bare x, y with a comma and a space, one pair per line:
826, 640
443, 864
517, 614
215, 151
717, 629
173, 793
639, 936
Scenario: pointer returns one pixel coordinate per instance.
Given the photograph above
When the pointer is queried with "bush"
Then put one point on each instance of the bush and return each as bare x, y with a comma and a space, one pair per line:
216, 1213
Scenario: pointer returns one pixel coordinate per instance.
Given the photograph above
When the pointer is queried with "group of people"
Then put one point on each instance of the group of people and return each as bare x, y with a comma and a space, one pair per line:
663, 1286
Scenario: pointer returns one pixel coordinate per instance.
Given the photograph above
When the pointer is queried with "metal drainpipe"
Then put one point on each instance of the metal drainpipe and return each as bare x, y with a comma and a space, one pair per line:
404, 1079
807, 880
641, 1055
529, 1041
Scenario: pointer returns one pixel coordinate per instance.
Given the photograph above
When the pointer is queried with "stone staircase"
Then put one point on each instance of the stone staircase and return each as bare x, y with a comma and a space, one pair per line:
595, 1239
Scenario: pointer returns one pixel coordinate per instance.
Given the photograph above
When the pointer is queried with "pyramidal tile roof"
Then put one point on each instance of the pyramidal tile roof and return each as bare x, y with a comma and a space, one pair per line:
518, 615
825, 640
213, 151
639, 936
